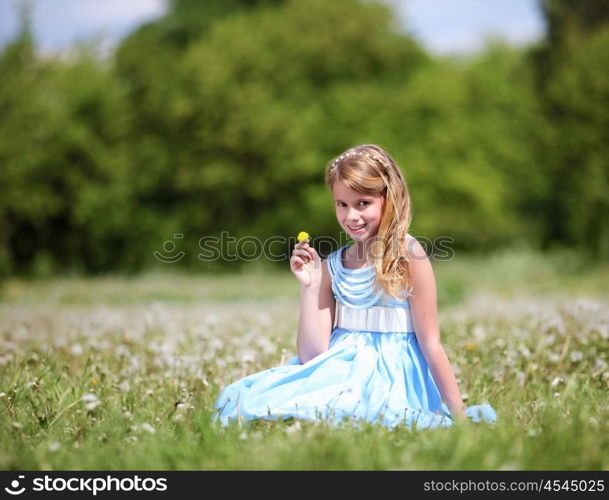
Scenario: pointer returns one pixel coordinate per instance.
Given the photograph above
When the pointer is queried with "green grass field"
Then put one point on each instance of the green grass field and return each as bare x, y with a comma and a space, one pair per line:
122, 373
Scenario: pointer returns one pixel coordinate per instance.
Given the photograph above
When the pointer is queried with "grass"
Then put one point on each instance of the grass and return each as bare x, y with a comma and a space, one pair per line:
525, 332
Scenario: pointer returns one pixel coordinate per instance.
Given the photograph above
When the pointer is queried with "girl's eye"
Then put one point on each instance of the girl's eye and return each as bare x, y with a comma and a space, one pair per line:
361, 203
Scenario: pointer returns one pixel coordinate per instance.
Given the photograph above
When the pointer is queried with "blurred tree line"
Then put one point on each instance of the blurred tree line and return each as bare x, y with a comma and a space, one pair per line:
221, 116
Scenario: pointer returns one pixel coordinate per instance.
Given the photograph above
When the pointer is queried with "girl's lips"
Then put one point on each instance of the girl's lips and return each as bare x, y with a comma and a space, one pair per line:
356, 230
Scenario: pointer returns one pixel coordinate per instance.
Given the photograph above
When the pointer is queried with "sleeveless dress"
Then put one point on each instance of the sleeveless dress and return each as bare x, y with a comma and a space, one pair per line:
364, 375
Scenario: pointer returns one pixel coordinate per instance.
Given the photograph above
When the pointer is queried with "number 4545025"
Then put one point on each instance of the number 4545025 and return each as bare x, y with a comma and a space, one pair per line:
574, 485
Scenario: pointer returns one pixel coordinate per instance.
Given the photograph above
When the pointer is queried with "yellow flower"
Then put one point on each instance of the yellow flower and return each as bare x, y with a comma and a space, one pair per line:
302, 236
470, 346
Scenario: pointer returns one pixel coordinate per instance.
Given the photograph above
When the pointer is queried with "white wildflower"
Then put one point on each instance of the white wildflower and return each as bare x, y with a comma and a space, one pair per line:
248, 357
600, 365
91, 401
550, 339
146, 427
54, 446
211, 319
524, 350
603, 330
76, 349
478, 332
576, 356
122, 350
124, 386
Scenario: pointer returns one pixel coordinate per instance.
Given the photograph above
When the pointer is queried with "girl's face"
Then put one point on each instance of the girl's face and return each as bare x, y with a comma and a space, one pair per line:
358, 214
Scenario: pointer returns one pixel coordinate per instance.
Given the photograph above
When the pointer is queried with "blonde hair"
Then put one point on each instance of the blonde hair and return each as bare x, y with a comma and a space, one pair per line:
370, 170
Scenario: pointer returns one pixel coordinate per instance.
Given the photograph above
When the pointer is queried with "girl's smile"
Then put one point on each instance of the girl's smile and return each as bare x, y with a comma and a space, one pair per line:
357, 230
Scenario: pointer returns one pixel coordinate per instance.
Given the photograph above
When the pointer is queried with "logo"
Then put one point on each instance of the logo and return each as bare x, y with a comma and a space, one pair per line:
15, 485
169, 246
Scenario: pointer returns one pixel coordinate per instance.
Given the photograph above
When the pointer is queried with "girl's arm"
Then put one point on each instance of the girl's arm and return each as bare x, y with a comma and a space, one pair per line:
423, 304
316, 315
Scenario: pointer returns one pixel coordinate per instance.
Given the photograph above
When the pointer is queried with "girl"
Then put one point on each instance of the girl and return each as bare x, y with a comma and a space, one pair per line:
368, 337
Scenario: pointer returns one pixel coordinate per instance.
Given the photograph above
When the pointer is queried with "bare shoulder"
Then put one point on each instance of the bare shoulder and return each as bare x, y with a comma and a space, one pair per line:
415, 251
414, 248
421, 271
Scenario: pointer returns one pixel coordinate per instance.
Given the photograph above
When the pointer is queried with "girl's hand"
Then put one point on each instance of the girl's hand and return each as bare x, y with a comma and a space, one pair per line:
306, 264
458, 413
459, 418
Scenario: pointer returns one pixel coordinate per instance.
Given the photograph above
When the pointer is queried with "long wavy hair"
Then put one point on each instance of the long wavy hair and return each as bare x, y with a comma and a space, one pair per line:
370, 170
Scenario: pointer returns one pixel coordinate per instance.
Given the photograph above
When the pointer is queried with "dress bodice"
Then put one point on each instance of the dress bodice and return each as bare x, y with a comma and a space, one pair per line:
355, 287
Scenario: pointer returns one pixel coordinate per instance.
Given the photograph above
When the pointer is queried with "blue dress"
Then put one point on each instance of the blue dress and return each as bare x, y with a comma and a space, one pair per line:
364, 375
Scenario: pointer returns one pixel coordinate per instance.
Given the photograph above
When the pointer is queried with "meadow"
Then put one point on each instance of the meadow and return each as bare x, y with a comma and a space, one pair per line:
122, 372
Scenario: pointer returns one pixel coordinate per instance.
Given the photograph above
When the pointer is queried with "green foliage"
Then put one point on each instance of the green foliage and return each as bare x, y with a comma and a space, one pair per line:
465, 139
577, 99
64, 178
221, 116
572, 19
240, 126
574, 92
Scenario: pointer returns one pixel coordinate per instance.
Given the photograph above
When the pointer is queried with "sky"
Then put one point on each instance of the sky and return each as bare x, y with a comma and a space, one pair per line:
442, 26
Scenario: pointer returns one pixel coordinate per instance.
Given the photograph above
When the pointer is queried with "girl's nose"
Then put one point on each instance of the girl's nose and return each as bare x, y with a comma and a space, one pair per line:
353, 215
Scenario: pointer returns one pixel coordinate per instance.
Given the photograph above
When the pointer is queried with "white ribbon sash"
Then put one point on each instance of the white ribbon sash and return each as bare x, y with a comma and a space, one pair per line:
374, 319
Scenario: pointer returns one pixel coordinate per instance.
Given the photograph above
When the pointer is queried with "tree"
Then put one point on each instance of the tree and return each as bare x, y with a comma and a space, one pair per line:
574, 91
573, 19
62, 151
